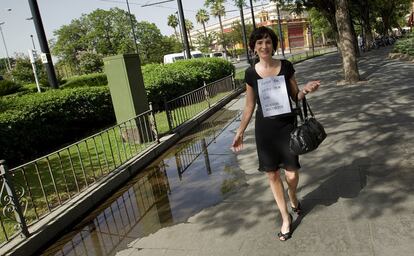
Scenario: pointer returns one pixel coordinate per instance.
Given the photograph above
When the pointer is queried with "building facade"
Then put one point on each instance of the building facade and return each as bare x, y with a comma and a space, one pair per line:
296, 29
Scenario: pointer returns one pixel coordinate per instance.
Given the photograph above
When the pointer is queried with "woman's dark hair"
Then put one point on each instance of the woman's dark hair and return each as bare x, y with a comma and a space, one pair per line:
260, 33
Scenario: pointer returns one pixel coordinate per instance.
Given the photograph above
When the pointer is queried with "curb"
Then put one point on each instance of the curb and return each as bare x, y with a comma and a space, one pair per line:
48, 229
400, 56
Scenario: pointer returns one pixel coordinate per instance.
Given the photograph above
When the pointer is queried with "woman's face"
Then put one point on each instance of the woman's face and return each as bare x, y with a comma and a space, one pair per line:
264, 47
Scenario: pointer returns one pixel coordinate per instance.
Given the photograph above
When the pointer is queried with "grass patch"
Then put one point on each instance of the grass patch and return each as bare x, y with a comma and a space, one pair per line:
55, 179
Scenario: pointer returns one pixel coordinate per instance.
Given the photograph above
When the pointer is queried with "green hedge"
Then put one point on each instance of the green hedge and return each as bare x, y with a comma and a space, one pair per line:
172, 80
167, 81
405, 45
35, 124
96, 79
8, 87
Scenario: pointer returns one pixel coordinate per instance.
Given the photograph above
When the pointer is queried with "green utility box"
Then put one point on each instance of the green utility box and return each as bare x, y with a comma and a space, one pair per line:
128, 95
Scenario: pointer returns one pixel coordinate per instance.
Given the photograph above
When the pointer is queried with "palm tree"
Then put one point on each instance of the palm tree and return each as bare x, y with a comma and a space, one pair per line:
217, 10
173, 22
189, 26
251, 9
202, 17
240, 4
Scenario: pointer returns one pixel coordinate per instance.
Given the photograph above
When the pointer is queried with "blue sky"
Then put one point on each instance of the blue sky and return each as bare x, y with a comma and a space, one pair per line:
55, 13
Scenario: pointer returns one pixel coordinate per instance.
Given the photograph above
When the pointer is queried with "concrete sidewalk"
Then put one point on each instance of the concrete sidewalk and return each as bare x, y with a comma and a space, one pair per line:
356, 189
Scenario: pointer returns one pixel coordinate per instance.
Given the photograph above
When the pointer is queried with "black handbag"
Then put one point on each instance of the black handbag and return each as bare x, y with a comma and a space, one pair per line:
307, 136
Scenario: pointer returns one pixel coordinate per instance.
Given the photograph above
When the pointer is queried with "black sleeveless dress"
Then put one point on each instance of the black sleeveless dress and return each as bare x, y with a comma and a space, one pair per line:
273, 133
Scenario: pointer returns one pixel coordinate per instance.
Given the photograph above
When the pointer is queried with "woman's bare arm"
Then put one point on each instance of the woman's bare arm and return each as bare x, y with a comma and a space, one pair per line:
250, 104
298, 94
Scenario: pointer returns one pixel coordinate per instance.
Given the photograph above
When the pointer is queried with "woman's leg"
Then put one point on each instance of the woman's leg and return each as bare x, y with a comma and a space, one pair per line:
276, 185
292, 179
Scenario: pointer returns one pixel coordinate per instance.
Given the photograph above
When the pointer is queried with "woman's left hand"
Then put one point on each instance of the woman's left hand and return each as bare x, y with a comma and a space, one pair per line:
312, 86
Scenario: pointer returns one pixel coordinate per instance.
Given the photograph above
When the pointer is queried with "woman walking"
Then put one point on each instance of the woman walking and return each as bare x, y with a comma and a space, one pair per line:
269, 84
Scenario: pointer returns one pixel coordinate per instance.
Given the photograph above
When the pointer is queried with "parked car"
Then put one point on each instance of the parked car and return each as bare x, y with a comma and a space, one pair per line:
216, 55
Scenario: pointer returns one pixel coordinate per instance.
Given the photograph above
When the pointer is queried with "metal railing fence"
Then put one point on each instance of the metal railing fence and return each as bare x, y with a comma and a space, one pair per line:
306, 55
33, 190
185, 107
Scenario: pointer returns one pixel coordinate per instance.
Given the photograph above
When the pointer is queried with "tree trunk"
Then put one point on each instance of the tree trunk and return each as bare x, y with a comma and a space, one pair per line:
222, 33
346, 41
366, 24
323, 39
175, 33
245, 45
356, 47
189, 37
204, 27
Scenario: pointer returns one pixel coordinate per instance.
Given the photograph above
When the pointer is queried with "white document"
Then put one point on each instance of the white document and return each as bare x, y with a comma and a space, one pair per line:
273, 96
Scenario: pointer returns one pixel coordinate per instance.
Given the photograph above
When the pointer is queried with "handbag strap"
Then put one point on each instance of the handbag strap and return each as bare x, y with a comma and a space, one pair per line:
306, 106
298, 110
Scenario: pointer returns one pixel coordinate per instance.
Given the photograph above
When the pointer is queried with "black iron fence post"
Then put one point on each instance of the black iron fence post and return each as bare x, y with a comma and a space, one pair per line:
206, 94
233, 81
168, 113
12, 200
153, 123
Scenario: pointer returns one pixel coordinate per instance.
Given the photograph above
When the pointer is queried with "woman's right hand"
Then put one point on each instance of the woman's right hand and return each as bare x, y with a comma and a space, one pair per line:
237, 144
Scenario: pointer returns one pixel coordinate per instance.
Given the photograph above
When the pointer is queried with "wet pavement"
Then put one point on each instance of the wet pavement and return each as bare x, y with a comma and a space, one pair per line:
196, 173
356, 189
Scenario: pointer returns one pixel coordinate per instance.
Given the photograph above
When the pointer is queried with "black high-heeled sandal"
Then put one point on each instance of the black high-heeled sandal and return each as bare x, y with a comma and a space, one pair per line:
297, 209
286, 236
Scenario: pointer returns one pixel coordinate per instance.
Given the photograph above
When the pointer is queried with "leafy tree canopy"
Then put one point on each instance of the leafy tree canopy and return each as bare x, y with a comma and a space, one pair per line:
108, 32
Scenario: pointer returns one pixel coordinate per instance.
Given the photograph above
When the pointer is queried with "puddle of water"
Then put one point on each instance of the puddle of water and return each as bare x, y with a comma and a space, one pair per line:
196, 173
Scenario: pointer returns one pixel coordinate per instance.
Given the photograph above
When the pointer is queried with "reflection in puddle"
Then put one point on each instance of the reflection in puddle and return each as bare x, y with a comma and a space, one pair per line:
197, 173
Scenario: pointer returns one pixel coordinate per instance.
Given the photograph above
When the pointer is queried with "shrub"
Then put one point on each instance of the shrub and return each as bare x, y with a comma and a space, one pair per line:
172, 80
405, 46
8, 87
90, 62
167, 81
23, 71
35, 124
95, 79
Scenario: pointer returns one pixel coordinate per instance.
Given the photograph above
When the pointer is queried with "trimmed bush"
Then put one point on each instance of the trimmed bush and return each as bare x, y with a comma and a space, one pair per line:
172, 80
95, 79
167, 81
35, 124
8, 87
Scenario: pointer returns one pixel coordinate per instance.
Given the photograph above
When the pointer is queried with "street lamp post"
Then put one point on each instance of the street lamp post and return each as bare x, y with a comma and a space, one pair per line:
34, 47
8, 66
282, 46
44, 47
132, 27
31, 36
179, 30
183, 29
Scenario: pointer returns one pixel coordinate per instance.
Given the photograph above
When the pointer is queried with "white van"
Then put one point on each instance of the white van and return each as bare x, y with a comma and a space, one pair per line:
173, 57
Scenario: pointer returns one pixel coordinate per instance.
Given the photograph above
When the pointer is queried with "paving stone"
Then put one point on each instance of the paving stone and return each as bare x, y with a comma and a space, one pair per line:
356, 189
